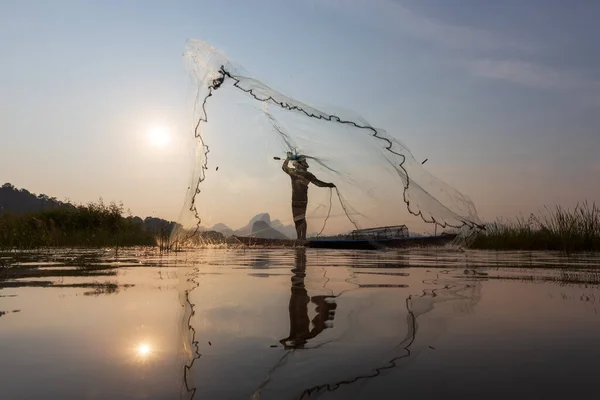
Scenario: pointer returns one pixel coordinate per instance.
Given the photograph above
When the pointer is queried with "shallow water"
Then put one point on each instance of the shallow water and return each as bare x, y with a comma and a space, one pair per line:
291, 324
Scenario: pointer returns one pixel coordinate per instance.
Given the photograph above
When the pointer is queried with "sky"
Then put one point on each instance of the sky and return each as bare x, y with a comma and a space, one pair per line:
503, 98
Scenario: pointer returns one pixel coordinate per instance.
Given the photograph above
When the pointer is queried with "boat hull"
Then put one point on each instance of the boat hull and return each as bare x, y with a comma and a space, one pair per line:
253, 241
349, 244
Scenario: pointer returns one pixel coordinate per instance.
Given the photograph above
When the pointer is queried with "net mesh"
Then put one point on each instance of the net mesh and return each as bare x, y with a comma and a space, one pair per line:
245, 130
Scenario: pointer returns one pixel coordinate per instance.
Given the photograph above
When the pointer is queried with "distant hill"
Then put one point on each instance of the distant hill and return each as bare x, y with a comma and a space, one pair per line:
247, 230
222, 228
261, 229
259, 226
22, 201
287, 230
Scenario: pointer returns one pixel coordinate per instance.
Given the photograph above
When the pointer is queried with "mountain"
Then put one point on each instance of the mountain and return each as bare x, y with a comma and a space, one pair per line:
261, 229
259, 226
247, 230
287, 230
222, 228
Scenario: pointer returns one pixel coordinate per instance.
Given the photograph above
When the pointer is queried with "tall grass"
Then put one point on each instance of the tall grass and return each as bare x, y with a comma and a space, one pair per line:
91, 225
558, 229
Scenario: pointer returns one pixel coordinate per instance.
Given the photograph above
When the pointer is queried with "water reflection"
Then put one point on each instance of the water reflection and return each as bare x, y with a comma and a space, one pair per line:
331, 325
300, 331
376, 343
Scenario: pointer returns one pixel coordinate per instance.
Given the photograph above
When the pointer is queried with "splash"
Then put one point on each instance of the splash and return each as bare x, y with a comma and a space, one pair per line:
242, 127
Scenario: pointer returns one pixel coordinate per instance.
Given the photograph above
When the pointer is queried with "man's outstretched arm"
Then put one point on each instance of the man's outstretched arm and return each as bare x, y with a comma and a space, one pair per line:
313, 179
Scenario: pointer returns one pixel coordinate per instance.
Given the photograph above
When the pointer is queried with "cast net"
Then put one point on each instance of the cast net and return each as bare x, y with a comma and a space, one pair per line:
245, 130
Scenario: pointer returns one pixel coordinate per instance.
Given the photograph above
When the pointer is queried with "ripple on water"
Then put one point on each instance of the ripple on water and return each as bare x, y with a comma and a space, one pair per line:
295, 323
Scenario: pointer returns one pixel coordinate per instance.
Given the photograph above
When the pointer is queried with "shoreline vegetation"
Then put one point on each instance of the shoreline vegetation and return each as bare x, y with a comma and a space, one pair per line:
91, 225
28, 221
102, 225
561, 229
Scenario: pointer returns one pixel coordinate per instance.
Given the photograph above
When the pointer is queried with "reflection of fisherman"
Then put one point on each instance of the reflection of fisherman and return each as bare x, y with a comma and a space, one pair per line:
300, 180
300, 332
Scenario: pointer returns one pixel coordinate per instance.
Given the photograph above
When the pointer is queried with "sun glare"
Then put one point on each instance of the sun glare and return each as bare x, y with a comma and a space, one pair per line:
143, 352
159, 136
143, 349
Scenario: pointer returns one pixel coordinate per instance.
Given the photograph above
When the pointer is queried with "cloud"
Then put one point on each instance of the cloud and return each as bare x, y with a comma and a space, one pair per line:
395, 17
538, 76
524, 73
472, 49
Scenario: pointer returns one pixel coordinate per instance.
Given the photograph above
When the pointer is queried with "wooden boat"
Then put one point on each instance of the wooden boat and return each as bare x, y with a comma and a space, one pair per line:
375, 244
349, 243
262, 242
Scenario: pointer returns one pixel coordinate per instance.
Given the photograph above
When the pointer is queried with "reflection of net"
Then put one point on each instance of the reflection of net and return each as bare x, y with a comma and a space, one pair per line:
187, 334
371, 358
377, 175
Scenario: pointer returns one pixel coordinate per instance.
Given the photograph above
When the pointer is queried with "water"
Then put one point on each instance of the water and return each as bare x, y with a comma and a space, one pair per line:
291, 324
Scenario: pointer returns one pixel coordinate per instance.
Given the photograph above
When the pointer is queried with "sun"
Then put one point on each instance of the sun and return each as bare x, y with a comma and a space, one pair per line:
143, 349
159, 137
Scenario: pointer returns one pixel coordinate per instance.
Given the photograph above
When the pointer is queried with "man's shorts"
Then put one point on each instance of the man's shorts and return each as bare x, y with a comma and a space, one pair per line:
299, 210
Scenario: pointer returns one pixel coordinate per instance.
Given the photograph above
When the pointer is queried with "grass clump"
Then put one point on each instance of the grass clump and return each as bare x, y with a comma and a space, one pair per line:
91, 225
559, 229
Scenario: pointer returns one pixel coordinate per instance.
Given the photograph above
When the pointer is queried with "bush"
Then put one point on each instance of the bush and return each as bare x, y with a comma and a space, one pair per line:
91, 225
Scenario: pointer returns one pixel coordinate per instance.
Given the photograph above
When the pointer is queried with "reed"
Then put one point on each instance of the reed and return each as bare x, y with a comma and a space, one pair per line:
563, 229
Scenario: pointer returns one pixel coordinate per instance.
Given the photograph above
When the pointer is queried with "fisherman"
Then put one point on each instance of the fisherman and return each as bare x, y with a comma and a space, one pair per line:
300, 180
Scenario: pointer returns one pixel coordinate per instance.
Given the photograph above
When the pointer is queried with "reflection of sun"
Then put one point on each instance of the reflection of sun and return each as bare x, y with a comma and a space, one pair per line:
159, 136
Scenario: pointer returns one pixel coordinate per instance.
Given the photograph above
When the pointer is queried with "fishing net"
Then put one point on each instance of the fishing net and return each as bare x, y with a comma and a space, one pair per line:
245, 130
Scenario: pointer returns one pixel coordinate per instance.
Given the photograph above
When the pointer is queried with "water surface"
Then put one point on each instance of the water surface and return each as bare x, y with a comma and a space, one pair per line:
298, 324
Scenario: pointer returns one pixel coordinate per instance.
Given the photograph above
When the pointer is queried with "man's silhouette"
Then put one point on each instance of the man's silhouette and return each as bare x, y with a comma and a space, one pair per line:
300, 180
